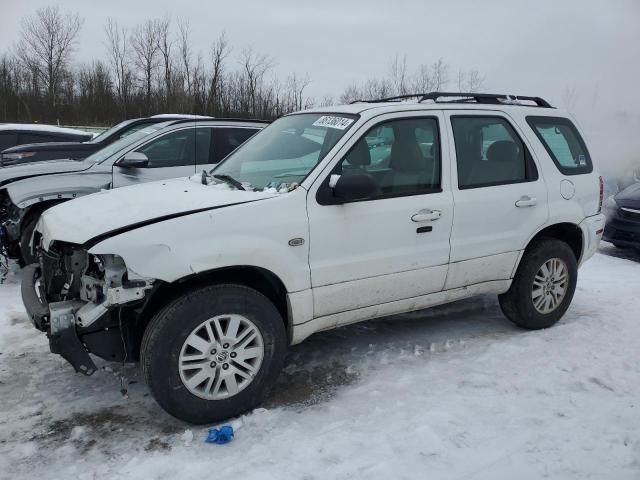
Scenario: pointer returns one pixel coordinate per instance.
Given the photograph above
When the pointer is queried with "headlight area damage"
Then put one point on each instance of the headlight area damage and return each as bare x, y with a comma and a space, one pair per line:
85, 304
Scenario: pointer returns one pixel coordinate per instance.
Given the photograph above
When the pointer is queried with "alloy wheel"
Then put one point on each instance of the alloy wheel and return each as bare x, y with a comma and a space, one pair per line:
221, 357
550, 285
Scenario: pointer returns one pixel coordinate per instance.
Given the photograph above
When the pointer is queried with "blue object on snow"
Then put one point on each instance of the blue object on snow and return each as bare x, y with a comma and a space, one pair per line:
220, 437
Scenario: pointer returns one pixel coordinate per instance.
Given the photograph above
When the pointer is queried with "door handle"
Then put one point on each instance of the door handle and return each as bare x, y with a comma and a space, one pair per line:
526, 201
426, 215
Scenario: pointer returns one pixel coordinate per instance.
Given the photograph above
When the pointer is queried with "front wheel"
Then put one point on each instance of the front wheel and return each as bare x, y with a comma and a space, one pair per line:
213, 353
543, 286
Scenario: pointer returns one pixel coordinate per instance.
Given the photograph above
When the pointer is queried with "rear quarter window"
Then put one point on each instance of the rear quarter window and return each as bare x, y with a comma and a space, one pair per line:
563, 143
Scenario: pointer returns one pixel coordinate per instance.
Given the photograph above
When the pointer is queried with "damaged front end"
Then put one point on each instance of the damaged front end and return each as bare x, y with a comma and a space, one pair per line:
85, 304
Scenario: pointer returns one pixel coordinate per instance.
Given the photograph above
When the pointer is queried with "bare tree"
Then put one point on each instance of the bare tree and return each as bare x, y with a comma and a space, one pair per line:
398, 75
295, 92
45, 46
254, 67
422, 81
154, 67
400, 81
219, 52
144, 41
351, 93
119, 55
439, 75
165, 44
470, 81
186, 54
326, 101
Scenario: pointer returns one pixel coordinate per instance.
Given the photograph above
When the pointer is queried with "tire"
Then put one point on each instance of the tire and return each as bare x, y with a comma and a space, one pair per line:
165, 344
518, 302
26, 253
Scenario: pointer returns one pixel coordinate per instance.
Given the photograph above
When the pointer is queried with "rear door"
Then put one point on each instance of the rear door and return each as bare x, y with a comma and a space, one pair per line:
499, 194
170, 155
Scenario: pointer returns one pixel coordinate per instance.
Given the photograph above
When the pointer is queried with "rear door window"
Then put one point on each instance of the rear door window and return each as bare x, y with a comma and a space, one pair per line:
489, 152
226, 140
563, 144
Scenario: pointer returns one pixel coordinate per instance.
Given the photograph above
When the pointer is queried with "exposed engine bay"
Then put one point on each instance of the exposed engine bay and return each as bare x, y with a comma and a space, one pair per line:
85, 303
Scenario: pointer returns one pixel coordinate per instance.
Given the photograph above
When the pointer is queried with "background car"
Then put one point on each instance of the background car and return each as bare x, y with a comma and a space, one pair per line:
14, 135
77, 149
623, 218
164, 150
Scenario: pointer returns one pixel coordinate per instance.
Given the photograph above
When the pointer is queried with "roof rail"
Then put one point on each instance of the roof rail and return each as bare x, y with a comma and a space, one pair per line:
465, 97
217, 119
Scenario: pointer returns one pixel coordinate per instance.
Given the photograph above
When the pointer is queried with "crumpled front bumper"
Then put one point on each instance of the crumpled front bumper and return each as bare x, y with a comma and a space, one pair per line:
61, 329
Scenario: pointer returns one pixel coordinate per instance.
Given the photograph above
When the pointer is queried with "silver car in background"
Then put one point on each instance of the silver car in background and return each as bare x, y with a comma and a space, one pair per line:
161, 151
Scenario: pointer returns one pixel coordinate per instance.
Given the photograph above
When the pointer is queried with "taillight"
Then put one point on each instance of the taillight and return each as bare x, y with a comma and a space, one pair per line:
601, 200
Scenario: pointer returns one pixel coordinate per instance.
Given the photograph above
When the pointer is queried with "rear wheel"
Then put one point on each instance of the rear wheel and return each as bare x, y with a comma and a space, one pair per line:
543, 287
213, 353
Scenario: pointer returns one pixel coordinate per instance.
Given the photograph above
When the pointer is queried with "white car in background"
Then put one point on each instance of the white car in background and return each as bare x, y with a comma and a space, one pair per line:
14, 134
326, 217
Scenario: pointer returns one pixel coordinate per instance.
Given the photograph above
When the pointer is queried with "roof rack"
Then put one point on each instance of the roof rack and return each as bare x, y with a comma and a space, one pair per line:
465, 97
217, 119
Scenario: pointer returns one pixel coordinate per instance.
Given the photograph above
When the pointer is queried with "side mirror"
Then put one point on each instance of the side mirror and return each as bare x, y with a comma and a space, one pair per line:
134, 160
354, 186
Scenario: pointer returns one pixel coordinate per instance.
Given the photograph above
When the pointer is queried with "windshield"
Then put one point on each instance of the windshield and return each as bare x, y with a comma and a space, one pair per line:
106, 133
106, 152
285, 152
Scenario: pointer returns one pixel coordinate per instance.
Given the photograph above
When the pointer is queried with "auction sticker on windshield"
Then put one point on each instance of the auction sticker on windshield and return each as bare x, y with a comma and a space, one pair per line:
333, 122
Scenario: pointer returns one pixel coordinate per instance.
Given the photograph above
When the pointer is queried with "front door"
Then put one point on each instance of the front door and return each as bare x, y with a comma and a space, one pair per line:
395, 245
171, 155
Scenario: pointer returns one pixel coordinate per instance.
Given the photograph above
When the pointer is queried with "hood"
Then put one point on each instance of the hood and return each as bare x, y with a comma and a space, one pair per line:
629, 197
115, 211
58, 186
12, 173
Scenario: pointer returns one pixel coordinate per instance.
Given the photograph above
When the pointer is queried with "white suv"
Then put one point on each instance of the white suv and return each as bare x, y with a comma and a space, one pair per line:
327, 217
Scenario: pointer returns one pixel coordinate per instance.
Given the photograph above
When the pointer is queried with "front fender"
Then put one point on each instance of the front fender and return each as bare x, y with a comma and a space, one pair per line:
254, 234
30, 191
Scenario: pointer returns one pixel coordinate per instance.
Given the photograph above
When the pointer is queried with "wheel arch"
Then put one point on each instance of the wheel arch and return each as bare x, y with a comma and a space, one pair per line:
257, 278
568, 232
38, 209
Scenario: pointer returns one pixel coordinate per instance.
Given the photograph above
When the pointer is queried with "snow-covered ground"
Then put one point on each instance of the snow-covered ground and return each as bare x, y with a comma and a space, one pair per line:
451, 393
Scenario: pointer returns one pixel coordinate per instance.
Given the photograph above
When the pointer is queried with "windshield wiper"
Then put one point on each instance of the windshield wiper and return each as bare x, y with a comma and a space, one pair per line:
230, 180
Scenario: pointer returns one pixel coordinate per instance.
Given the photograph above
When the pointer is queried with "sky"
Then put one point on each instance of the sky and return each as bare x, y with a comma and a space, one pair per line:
532, 48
